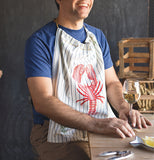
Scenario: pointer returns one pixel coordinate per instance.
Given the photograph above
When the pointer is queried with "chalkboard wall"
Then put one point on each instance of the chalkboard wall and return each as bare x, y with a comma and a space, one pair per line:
151, 18
18, 19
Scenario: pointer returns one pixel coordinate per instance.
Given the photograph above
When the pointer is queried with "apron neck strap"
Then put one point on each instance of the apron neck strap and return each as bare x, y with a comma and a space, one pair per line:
55, 20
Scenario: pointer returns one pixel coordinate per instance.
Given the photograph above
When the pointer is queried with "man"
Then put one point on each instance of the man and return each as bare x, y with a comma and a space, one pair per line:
70, 76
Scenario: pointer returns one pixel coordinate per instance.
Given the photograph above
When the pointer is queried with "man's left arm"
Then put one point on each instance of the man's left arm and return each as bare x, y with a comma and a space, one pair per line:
114, 95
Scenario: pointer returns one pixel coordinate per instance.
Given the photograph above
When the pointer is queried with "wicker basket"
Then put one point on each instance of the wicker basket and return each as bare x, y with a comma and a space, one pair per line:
146, 101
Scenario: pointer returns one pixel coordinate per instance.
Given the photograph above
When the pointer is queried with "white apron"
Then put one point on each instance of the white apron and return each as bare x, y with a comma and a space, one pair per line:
79, 82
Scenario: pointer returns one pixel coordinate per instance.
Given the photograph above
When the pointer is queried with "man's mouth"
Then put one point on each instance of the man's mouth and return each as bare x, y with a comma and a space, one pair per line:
83, 5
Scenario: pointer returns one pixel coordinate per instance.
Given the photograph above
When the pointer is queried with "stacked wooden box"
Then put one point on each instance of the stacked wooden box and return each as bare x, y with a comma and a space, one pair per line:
136, 60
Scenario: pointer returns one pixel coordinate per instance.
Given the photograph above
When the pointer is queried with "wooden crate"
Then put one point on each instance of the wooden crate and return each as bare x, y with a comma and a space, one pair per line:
133, 63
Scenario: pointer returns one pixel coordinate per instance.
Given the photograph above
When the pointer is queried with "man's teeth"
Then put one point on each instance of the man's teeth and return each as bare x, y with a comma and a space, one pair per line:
83, 5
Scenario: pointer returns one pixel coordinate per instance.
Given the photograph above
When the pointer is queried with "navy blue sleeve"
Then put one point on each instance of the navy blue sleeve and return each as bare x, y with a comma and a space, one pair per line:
106, 51
37, 58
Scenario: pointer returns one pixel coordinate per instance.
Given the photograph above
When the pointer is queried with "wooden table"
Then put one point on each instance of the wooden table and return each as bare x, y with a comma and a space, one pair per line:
101, 143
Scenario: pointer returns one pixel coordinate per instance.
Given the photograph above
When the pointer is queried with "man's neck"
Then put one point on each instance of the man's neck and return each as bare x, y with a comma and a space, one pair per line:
68, 23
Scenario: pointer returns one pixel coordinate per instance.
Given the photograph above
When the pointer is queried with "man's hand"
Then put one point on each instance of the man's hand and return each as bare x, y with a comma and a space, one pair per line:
114, 93
136, 118
113, 126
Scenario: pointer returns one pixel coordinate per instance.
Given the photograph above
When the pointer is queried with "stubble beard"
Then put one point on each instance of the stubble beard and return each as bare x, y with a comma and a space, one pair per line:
80, 16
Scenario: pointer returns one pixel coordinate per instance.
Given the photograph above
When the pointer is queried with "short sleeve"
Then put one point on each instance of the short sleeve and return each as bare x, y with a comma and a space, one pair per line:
106, 51
37, 59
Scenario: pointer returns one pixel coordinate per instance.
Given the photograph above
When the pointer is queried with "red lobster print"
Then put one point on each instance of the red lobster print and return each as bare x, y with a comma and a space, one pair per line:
90, 92
78, 72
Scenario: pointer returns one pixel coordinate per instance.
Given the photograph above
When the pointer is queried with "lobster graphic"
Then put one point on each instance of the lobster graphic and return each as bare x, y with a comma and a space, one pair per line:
90, 92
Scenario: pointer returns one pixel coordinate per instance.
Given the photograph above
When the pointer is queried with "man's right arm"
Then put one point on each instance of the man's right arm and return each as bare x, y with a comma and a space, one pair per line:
45, 103
41, 91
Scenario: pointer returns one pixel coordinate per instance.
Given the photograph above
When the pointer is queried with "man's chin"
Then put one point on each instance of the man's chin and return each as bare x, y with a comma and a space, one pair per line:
84, 16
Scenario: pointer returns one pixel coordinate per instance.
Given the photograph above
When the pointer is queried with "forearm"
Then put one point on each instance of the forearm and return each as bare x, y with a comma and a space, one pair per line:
114, 94
63, 114
45, 103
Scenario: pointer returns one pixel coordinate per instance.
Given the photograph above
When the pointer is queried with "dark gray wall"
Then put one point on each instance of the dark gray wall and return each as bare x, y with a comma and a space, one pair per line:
120, 19
151, 18
18, 19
